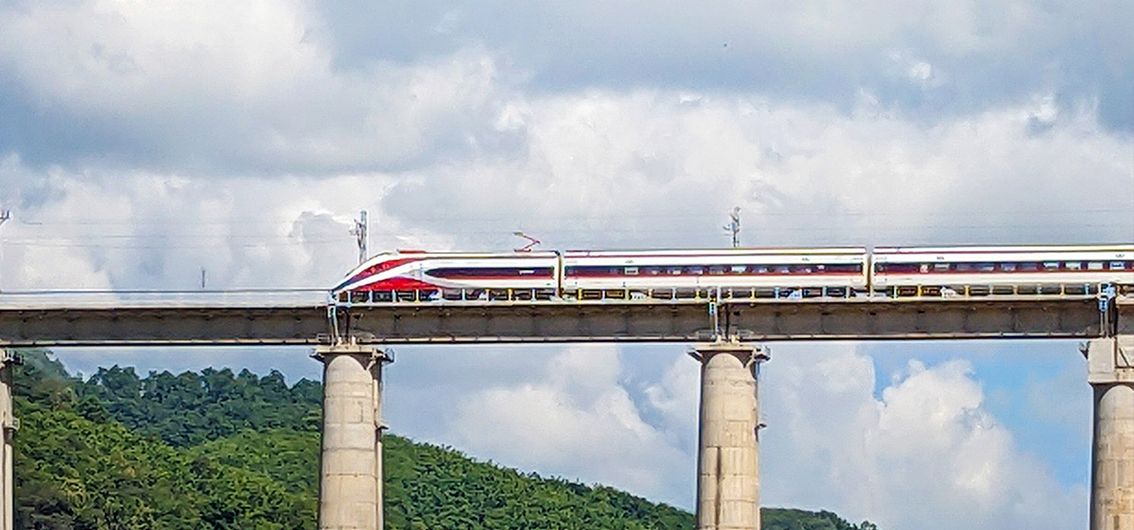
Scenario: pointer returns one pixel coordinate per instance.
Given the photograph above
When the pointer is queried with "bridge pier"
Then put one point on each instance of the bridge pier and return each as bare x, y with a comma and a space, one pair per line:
728, 457
1110, 364
7, 429
350, 485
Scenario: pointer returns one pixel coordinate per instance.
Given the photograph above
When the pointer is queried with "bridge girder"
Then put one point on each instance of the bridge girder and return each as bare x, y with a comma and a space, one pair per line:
624, 321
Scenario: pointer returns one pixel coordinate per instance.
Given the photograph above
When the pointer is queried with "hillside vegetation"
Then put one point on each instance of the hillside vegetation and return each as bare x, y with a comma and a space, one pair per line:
218, 450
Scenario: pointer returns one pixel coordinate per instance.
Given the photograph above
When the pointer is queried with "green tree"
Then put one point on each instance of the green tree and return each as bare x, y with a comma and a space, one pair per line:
218, 450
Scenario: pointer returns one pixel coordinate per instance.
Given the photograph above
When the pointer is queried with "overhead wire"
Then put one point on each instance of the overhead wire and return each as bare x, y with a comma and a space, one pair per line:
257, 220
506, 230
548, 225
38, 244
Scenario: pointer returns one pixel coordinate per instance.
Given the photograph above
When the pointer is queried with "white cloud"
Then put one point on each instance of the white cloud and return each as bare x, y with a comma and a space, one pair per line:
649, 161
993, 52
134, 230
243, 87
674, 398
916, 70
925, 447
575, 419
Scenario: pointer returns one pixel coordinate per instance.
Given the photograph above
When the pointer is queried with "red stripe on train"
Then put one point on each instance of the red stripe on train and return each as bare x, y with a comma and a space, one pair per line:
399, 284
380, 267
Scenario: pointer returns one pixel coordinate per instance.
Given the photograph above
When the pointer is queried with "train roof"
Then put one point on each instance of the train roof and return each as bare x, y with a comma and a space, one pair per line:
471, 254
741, 251
1118, 247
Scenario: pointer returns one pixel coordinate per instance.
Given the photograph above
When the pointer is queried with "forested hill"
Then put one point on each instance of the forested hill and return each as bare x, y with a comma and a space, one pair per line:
218, 450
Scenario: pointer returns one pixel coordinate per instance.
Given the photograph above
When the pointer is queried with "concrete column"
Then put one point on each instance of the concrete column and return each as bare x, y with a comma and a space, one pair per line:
1111, 374
8, 425
350, 486
728, 462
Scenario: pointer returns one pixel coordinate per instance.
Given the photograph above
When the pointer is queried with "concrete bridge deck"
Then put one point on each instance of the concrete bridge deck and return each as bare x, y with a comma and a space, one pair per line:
306, 320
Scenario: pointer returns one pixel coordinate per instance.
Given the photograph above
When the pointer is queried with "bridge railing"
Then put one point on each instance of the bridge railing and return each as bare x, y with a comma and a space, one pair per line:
283, 298
721, 294
97, 299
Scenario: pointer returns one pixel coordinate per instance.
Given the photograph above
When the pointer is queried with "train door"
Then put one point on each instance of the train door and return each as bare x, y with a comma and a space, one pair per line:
558, 272
697, 280
420, 292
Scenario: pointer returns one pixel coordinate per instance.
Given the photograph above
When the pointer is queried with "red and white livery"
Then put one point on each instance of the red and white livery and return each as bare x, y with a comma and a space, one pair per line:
929, 271
893, 272
747, 272
459, 275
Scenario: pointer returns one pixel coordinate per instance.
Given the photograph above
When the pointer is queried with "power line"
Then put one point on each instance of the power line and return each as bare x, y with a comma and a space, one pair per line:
134, 220
337, 236
260, 221
80, 241
818, 225
41, 244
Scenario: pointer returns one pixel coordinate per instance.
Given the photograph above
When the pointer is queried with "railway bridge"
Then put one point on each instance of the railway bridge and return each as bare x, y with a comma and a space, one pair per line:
729, 337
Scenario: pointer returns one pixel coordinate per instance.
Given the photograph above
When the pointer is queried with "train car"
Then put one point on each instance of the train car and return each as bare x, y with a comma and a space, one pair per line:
423, 276
981, 271
735, 273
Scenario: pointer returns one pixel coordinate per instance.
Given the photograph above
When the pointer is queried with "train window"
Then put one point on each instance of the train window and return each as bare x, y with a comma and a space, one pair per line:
1050, 265
1030, 266
1008, 267
630, 271
1095, 266
843, 267
965, 267
801, 269
716, 269
674, 270
940, 267
760, 269
497, 272
924, 268
652, 271
737, 269
1074, 265
696, 269
782, 269
986, 267
895, 268
1117, 265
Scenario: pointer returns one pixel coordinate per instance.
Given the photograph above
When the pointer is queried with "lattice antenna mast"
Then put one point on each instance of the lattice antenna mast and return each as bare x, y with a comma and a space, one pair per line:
733, 227
361, 233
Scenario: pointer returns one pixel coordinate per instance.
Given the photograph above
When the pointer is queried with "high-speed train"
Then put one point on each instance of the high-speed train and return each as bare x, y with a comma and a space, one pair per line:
894, 272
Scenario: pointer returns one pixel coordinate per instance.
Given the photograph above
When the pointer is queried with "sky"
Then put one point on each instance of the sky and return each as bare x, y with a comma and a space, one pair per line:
141, 142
